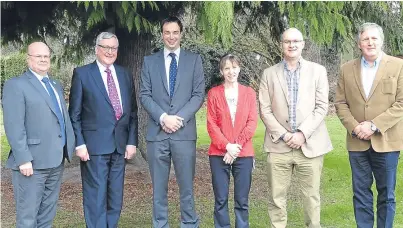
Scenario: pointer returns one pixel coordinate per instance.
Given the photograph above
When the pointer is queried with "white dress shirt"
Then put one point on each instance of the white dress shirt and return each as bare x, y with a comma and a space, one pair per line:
168, 60
39, 77
368, 74
104, 75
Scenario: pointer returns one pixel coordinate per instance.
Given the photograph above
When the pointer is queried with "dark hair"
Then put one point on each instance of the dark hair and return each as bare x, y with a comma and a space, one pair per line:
231, 58
172, 20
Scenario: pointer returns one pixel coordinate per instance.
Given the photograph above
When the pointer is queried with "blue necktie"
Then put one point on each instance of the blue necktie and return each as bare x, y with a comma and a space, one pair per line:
173, 69
57, 108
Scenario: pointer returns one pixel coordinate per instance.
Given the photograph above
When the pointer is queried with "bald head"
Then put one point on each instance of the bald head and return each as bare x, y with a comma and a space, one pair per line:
295, 33
39, 58
38, 46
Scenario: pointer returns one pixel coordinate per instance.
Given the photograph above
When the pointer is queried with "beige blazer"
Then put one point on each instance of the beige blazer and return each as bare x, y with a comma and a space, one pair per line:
384, 106
312, 107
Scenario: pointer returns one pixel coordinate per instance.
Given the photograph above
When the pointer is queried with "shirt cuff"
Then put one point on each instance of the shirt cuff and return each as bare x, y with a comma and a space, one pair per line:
81, 146
162, 117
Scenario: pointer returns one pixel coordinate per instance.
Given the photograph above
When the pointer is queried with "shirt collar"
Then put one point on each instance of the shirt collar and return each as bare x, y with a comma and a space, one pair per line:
298, 65
102, 68
39, 77
365, 63
167, 52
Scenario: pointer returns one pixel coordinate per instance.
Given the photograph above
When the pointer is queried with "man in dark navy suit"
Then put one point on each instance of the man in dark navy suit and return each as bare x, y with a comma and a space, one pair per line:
103, 112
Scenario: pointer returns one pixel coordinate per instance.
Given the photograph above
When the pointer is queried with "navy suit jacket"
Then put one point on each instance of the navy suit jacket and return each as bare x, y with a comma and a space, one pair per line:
92, 114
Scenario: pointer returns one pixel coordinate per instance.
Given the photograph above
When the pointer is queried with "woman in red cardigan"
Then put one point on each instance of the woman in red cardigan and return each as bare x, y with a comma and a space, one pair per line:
231, 124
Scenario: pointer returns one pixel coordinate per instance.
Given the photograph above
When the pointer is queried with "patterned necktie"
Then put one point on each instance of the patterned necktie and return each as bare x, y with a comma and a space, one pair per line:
113, 94
57, 108
173, 69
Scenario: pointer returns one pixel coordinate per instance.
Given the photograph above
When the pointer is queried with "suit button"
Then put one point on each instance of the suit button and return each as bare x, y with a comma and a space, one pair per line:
172, 106
286, 121
60, 136
366, 106
58, 122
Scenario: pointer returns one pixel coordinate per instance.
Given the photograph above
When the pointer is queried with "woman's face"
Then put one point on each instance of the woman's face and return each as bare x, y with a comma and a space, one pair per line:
230, 72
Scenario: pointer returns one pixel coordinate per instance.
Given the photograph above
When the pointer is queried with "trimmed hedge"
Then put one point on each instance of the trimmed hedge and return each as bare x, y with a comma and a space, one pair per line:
12, 65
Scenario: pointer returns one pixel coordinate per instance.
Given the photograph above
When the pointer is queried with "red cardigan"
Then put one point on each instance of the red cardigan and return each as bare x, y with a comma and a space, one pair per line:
219, 124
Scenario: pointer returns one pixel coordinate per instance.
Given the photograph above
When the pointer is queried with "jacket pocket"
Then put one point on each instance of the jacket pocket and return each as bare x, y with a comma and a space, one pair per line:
33, 141
389, 86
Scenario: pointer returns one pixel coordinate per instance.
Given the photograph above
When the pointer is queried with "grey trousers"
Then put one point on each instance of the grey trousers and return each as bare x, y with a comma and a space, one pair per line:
183, 156
36, 197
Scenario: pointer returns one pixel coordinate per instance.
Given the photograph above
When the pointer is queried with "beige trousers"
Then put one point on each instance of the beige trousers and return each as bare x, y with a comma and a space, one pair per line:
308, 171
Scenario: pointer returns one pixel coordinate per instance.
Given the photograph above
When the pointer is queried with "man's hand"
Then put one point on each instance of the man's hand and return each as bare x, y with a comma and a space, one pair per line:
296, 140
83, 154
287, 137
357, 129
26, 169
366, 132
130, 151
228, 159
172, 123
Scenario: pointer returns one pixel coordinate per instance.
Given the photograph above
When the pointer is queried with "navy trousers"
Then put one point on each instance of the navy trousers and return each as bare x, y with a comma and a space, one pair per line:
242, 172
103, 182
366, 165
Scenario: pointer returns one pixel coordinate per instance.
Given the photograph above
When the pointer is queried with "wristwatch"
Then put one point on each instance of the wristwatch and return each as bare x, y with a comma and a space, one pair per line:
373, 127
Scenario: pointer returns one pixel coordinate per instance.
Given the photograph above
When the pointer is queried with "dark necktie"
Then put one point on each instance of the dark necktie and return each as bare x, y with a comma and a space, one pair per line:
57, 108
173, 69
113, 94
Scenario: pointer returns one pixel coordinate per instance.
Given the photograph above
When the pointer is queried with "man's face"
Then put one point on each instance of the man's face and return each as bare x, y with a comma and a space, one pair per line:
171, 35
370, 43
107, 51
39, 58
292, 44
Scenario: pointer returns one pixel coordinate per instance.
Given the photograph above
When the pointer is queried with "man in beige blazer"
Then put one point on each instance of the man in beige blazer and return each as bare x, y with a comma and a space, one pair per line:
369, 103
293, 98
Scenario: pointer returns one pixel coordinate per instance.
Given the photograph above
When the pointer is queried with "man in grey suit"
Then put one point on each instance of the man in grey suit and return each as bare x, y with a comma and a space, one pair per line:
172, 91
40, 134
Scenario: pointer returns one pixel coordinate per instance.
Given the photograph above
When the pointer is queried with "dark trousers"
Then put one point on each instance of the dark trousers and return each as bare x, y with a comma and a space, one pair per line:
36, 197
103, 182
242, 172
364, 167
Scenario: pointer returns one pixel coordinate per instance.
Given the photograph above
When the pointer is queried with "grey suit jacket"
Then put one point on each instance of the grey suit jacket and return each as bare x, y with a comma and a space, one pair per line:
187, 99
31, 125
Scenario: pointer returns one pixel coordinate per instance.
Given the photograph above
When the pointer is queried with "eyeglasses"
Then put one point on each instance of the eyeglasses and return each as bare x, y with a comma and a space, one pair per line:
367, 40
290, 42
108, 49
40, 56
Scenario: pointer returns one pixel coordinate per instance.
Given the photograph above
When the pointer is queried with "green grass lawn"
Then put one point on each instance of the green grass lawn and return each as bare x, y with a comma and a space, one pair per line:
336, 191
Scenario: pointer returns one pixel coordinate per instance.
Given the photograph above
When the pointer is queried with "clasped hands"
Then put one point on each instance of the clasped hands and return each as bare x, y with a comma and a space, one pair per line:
233, 151
363, 130
172, 123
294, 140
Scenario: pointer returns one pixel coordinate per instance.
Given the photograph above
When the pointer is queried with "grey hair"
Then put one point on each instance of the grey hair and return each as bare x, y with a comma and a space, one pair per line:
105, 35
368, 25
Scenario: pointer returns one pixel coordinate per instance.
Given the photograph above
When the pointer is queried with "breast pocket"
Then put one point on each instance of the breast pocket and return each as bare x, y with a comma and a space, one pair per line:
389, 85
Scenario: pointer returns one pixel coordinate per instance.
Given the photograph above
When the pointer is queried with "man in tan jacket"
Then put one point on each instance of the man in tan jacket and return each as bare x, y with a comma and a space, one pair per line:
369, 103
293, 98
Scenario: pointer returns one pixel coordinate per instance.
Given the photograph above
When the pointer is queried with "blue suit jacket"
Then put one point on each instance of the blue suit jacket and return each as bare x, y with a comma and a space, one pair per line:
31, 124
92, 114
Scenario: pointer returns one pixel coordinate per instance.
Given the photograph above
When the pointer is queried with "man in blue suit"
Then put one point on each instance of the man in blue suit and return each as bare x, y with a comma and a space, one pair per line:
40, 134
172, 91
103, 112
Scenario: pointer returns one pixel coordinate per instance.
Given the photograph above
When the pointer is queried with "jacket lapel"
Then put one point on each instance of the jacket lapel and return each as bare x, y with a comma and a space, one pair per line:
357, 76
379, 74
282, 80
181, 68
38, 86
303, 81
163, 73
120, 74
96, 75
